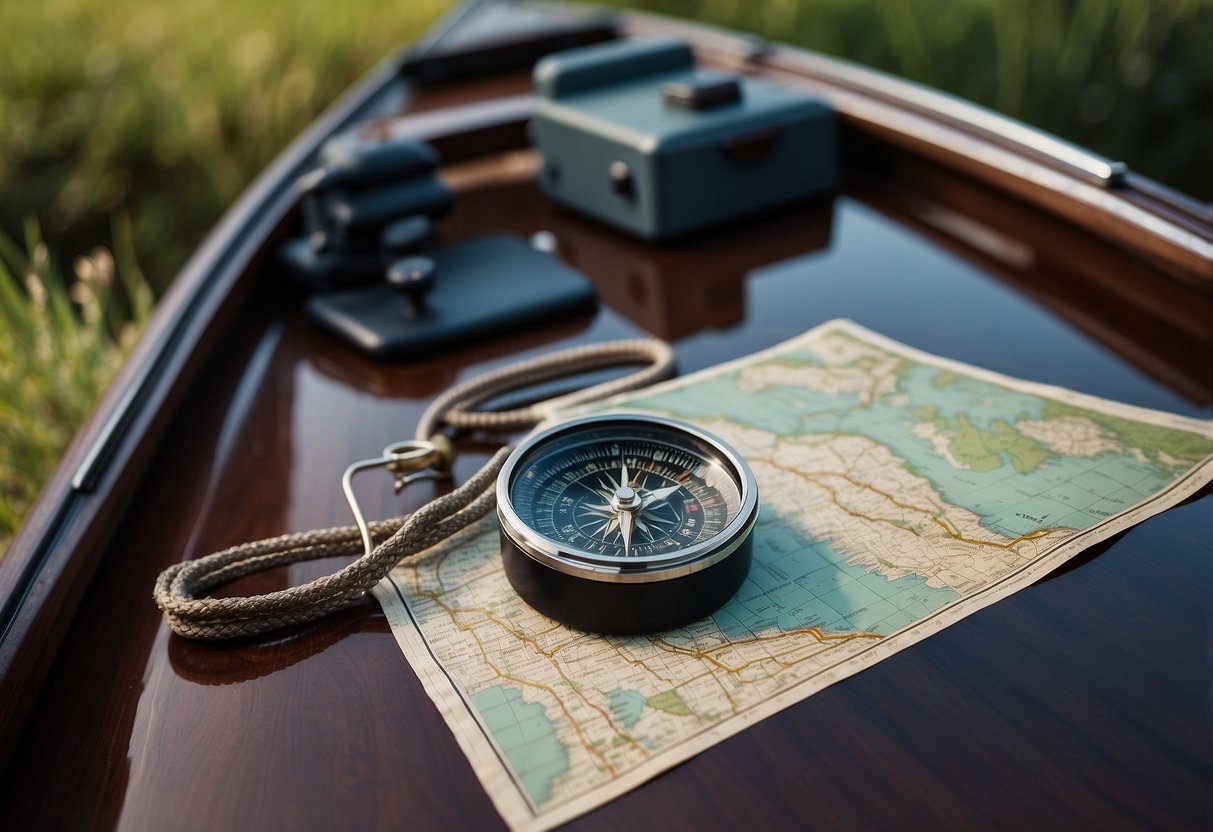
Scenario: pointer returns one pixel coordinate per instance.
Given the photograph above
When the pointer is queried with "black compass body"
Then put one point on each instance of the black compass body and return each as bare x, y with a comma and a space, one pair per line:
626, 523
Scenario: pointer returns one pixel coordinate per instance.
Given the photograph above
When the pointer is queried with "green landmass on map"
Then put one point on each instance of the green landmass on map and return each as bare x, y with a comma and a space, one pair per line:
668, 701
1184, 447
983, 449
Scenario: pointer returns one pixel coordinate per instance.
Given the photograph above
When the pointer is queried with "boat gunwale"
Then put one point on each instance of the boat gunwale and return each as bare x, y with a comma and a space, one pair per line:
74, 516
51, 559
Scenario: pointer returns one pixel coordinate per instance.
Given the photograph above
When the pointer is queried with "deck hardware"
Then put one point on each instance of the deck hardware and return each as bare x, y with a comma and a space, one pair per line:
642, 111
455, 293
410, 461
413, 277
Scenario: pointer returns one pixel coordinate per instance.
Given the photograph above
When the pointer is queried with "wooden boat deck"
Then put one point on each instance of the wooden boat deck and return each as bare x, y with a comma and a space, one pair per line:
1081, 701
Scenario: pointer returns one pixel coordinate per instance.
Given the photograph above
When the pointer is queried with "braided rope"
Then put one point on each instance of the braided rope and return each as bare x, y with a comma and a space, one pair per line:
180, 591
452, 407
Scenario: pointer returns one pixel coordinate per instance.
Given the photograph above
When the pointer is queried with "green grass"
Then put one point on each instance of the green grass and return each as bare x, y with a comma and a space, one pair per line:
162, 113
165, 111
64, 339
158, 112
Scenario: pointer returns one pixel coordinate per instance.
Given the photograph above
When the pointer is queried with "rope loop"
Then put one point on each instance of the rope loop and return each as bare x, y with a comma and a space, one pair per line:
181, 590
454, 407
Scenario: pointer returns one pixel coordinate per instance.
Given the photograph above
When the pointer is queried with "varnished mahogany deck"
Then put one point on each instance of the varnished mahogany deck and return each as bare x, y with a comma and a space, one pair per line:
1082, 701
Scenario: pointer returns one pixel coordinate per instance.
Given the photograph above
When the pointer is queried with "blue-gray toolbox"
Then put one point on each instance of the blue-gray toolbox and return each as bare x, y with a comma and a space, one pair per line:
633, 134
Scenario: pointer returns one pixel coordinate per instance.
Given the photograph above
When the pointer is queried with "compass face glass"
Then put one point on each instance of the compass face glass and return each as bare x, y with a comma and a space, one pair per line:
626, 491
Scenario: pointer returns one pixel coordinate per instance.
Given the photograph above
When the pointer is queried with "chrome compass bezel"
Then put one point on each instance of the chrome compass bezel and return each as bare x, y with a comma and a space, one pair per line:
570, 560
628, 594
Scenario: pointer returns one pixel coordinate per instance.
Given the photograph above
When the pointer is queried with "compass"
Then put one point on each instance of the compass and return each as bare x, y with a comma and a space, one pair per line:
626, 523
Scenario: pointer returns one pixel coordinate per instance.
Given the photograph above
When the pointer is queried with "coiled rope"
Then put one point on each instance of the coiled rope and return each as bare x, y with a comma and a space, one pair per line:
181, 590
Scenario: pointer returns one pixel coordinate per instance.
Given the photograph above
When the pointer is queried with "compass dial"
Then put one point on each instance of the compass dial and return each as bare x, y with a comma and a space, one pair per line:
626, 499
680, 492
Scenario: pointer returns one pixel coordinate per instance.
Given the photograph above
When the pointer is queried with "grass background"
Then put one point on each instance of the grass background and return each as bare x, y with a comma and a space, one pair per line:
128, 126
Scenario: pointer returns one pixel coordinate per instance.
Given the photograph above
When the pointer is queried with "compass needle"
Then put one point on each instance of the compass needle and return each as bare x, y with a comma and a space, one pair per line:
660, 495
626, 519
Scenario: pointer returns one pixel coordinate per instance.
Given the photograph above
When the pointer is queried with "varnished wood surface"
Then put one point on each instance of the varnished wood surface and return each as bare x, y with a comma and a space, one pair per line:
1081, 701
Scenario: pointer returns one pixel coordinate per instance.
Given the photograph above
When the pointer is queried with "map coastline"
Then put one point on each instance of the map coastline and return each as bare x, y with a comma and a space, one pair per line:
850, 653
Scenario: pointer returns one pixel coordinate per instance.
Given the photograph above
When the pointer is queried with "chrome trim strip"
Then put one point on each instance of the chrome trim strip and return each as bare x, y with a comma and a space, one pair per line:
1005, 130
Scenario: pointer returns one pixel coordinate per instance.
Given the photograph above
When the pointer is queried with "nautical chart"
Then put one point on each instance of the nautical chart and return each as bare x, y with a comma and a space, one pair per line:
900, 492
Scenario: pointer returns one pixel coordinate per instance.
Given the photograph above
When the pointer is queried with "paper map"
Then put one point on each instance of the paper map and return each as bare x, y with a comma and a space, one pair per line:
899, 493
